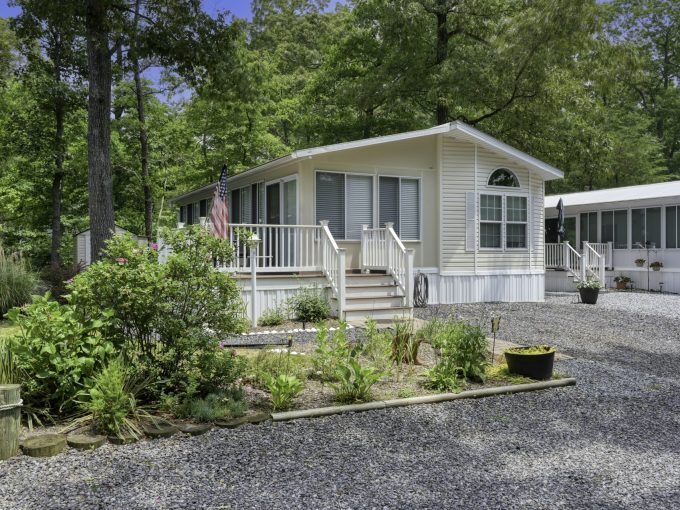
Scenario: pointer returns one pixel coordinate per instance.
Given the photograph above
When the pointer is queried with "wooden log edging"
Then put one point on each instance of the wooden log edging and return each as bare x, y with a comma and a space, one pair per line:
10, 419
426, 399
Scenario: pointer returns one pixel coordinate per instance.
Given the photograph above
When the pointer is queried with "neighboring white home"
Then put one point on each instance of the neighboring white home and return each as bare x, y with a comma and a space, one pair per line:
451, 202
621, 225
82, 244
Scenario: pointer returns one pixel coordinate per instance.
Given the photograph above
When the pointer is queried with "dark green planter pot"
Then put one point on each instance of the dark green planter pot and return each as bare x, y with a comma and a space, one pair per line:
589, 296
536, 366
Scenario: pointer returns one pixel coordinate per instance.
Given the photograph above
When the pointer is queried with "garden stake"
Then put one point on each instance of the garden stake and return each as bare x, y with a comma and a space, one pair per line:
495, 324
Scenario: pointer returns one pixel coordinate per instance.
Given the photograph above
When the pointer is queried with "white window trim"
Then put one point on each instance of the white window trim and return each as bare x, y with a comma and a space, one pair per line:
499, 188
344, 181
503, 222
420, 204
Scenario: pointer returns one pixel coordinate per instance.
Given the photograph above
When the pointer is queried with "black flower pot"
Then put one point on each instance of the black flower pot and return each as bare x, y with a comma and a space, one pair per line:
589, 296
536, 366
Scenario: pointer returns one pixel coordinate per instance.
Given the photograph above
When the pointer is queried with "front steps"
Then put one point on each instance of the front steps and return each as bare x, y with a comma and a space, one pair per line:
373, 295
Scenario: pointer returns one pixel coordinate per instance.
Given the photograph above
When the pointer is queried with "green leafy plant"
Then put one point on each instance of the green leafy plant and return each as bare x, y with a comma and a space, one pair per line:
589, 283
531, 350
112, 401
271, 317
214, 407
283, 389
331, 351
355, 381
656, 265
640, 262
309, 305
377, 347
622, 279
269, 363
60, 349
9, 372
405, 343
17, 281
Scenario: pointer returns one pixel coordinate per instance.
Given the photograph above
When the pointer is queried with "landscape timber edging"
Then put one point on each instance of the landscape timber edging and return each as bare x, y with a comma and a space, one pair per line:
425, 399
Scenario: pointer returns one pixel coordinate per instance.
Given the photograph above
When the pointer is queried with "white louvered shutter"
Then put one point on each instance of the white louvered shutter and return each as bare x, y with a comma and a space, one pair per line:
470, 221
359, 204
330, 201
388, 191
409, 224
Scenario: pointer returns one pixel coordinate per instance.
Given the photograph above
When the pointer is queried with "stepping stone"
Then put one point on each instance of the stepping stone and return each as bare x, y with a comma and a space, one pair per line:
232, 423
44, 445
85, 442
124, 439
194, 429
160, 430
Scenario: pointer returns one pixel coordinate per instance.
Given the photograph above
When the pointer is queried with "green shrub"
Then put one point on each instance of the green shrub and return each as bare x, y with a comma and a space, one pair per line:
271, 317
309, 305
331, 351
112, 401
162, 312
283, 389
214, 407
405, 343
377, 347
269, 363
9, 373
59, 350
17, 282
355, 382
461, 349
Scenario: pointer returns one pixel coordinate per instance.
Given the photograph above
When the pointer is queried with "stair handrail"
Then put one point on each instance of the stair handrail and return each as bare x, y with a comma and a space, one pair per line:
572, 259
593, 262
333, 265
399, 263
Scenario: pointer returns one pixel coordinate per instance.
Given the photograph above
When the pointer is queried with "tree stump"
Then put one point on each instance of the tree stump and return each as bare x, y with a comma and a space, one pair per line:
85, 442
10, 420
44, 445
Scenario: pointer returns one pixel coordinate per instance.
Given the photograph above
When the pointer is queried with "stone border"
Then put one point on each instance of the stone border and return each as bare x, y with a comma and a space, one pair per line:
287, 331
426, 399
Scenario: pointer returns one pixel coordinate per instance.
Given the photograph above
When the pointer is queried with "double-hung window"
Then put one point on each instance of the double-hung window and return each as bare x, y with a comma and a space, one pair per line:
400, 204
502, 221
345, 201
646, 227
673, 227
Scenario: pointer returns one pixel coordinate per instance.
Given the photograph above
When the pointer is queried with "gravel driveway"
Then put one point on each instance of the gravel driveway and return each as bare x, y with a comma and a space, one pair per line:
610, 442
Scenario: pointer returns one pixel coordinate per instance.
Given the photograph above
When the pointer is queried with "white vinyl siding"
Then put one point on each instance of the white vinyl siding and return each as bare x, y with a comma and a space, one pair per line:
359, 204
399, 199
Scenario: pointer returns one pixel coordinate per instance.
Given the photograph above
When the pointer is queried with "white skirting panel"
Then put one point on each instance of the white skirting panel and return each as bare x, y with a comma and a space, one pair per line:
273, 292
558, 281
450, 289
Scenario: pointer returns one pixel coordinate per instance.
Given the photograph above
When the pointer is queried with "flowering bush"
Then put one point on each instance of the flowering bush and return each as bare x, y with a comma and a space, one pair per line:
589, 283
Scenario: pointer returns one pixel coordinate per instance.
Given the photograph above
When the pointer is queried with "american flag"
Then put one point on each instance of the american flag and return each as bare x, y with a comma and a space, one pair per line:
219, 214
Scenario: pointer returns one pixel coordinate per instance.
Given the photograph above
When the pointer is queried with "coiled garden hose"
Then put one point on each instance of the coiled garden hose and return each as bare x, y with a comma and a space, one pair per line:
421, 290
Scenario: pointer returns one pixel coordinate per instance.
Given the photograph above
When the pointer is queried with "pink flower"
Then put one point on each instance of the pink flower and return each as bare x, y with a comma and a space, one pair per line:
222, 344
121, 261
154, 246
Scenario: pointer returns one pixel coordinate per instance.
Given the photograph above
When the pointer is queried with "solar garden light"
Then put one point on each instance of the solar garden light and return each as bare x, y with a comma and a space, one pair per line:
495, 326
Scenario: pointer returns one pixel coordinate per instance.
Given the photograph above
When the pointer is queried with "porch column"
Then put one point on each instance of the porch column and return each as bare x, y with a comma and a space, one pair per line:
341, 282
364, 247
253, 283
408, 284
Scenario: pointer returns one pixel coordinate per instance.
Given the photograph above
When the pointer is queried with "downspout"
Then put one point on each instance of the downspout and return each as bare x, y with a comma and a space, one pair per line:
476, 215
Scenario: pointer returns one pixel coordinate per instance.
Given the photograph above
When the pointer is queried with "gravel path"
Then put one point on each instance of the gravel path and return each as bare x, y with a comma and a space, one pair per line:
610, 442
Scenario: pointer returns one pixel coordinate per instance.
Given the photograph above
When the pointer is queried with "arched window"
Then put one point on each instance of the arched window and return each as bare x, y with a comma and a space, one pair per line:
503, 177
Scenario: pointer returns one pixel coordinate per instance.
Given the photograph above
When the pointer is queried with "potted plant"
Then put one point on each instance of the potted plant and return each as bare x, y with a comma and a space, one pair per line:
589, 289
656, 266
622, 282
535, 361
640, 262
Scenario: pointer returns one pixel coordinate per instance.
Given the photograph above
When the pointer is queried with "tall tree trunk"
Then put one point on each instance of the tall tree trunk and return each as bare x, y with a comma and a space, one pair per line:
59, 147
143, 137
100, 182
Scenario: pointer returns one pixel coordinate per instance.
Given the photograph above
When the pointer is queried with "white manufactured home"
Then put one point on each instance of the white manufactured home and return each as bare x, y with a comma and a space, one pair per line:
622, 225
364, 218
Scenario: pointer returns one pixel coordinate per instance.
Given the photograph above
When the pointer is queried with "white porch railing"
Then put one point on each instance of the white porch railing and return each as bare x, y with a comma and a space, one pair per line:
593, 264
281, 248
606, 250
382, 249
333, 265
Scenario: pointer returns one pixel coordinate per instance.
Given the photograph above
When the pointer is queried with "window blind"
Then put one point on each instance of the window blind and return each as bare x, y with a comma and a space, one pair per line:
388, 191
359, 205
409, 197
330, 201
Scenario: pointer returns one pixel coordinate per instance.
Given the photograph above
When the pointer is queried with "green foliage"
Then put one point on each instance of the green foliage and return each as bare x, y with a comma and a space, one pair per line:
354, 381
17, 281
161, 312
112, 400
283, 389
405, 343
269, 363
309, 305
9, 373
589, 283
377, 347
531, 350
213, 407
461, 349
271, 317
60, 349
331, 351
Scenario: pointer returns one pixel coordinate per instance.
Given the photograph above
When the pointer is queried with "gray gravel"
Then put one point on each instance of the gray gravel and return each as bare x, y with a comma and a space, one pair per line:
610, 442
